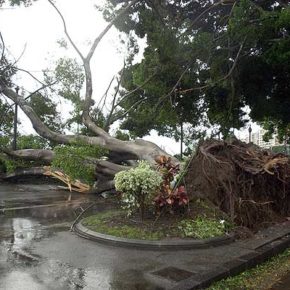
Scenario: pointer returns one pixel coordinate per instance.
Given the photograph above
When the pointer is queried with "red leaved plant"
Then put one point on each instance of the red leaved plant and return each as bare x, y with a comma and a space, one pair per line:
169, 196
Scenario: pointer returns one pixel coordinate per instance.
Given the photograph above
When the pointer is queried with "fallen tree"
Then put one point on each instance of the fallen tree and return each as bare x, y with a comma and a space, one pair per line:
231, 175
250, 184
122, 154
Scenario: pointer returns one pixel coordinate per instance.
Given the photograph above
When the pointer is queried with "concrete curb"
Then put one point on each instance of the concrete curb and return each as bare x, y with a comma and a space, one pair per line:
177, 244
235, 266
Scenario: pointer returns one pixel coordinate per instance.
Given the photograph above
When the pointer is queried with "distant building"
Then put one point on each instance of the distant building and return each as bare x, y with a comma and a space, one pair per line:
257, 138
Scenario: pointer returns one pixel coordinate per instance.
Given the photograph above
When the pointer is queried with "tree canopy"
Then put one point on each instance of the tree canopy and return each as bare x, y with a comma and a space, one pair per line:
206, 61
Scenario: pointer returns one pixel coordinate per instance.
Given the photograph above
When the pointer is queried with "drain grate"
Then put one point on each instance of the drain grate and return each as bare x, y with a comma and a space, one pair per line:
174, 274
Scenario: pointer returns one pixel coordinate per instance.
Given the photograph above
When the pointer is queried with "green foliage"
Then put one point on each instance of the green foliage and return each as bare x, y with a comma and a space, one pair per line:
202, 228
75, 122
76, 161
281, 149
45, 108
68, 76
216, 58
258, 277
71, 77
32, 142
122, 135
12, 164
25, 142
4, 141
9, 165
137, 186
114, 222
6, 117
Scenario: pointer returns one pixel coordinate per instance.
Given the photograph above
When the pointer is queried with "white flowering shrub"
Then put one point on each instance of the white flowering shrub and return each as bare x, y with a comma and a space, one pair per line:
138, 186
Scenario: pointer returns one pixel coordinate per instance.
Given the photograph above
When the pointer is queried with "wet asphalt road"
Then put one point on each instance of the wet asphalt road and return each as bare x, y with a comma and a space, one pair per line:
38, 251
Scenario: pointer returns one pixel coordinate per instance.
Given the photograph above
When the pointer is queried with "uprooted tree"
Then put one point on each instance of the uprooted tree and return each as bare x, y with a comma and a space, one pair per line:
250, 184
195, 68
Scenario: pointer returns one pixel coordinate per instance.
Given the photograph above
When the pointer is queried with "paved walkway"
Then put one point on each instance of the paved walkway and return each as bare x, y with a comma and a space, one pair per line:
37, 250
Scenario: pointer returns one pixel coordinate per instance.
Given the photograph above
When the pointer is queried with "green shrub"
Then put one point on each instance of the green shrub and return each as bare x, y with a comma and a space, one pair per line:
4, 141
74, 160
32, 142
9, 165
138, 186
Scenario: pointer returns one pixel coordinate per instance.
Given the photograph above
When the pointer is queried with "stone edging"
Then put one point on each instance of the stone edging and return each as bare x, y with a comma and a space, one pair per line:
235, 266
177, 244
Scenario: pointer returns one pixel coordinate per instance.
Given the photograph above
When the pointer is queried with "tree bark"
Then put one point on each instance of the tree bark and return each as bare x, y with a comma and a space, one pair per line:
24, 172
46, 156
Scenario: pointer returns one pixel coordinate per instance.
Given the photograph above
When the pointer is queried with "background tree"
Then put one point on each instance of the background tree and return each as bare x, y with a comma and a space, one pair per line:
210, 58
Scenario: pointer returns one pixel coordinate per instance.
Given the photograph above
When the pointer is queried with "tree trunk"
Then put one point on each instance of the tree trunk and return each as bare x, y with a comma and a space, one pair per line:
23, 172
46, 156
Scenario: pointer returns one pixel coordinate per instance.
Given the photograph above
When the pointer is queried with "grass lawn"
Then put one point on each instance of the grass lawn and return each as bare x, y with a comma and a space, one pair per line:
262, 277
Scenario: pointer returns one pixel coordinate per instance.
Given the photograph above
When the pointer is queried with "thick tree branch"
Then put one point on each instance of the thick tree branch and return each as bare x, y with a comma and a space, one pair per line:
31, 154
38, 125
87, 120
89, 85
24, 172
119, 150
108, 168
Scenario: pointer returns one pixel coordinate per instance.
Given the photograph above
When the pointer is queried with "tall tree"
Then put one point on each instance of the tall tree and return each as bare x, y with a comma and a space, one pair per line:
208, 59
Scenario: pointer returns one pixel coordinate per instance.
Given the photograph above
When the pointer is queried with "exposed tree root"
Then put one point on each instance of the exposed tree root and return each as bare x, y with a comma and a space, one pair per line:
250, 184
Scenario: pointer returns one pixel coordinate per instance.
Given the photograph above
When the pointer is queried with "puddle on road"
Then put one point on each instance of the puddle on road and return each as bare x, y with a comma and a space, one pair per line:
20, 280
16, 238
52, 274
20, 228
21, 269
62, 276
